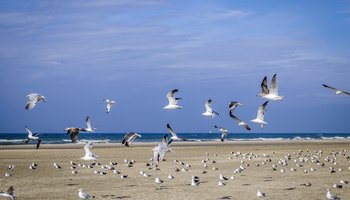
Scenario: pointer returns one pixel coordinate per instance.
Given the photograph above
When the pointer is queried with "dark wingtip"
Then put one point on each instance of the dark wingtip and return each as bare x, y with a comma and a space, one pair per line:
168, 125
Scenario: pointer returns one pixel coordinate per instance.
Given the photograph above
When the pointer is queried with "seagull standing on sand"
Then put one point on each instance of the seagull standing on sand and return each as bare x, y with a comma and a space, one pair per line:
209, 112
223, 131
173, 134
271, 93
260, 194
33, 99
88, 126
337, 92
260, 115
330, 196
34, 137
89, 155
172, 105
109, 104
9, 193
160, 150
129, 138
84, 195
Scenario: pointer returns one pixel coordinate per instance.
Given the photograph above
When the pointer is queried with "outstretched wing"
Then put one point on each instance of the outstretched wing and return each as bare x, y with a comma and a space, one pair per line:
208, 107
264, 90
87, 148
88, 122
261, 111
240, 122
74, 134
332, 88
171, 97
171, 130
273, 85
10, 190
30, 133
38, 144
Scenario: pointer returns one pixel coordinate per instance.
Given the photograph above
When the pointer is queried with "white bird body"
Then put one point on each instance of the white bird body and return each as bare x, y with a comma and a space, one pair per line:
260, 194
173, 134
337, 91
32, 137
9, 193
89, 155
172, 105
159, 181
33, 99
209, 112
261, 115
109, 104
129, 138
270, 94
88, 126
160, 150
84, 195
330, 196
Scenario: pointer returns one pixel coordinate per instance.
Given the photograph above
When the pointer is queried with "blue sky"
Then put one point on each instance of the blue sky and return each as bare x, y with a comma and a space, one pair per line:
77, 53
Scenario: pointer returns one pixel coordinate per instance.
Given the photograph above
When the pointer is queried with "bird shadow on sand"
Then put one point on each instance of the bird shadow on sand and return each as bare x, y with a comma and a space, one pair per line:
267, 180
72, 184
226, 197
162, 188
246, 184
114, 197
292, 188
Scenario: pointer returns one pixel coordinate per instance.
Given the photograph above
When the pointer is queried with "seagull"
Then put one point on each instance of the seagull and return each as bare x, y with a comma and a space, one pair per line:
337, 92
260, 194
224, 133
222, 178
84, 195
89, 155
33, 136
209, 112
74, 132
33, 99
195, 181
233, 105
331, 196
109, 104
260, 115
158, 181
88, 126
160, 150
272, 92
240, 122
130, 137
174, 136
172, 101
9, 193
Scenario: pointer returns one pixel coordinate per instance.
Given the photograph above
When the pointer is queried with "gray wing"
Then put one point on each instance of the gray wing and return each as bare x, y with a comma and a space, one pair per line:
74, 134
261, 111
264, 90
273, 85
332, 88
10, 190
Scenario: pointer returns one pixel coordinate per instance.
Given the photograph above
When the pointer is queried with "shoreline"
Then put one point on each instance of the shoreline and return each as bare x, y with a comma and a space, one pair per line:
177, 144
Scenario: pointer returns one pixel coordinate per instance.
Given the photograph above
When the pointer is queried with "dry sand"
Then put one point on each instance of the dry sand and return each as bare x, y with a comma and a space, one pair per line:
47, 182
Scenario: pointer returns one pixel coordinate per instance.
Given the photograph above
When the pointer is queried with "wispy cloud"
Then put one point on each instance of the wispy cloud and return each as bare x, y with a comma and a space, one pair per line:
229, 14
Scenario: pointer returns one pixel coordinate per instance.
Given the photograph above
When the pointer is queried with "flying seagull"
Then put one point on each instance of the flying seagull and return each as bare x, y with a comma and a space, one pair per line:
33, 136
272, 92
172, 101
174, 136
209, 112
9, 193
89, 155
240, 122
223, 131
88, 126
233, 105
129, 138
33, 99
260, 115
337, 92
109, 104
84, 195
160, 150
74, 132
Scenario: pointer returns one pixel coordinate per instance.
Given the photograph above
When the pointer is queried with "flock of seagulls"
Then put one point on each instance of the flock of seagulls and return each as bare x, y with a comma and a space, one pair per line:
268, 93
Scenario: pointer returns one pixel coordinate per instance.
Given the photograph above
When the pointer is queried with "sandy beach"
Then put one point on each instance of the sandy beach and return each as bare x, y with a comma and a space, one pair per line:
47, 182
